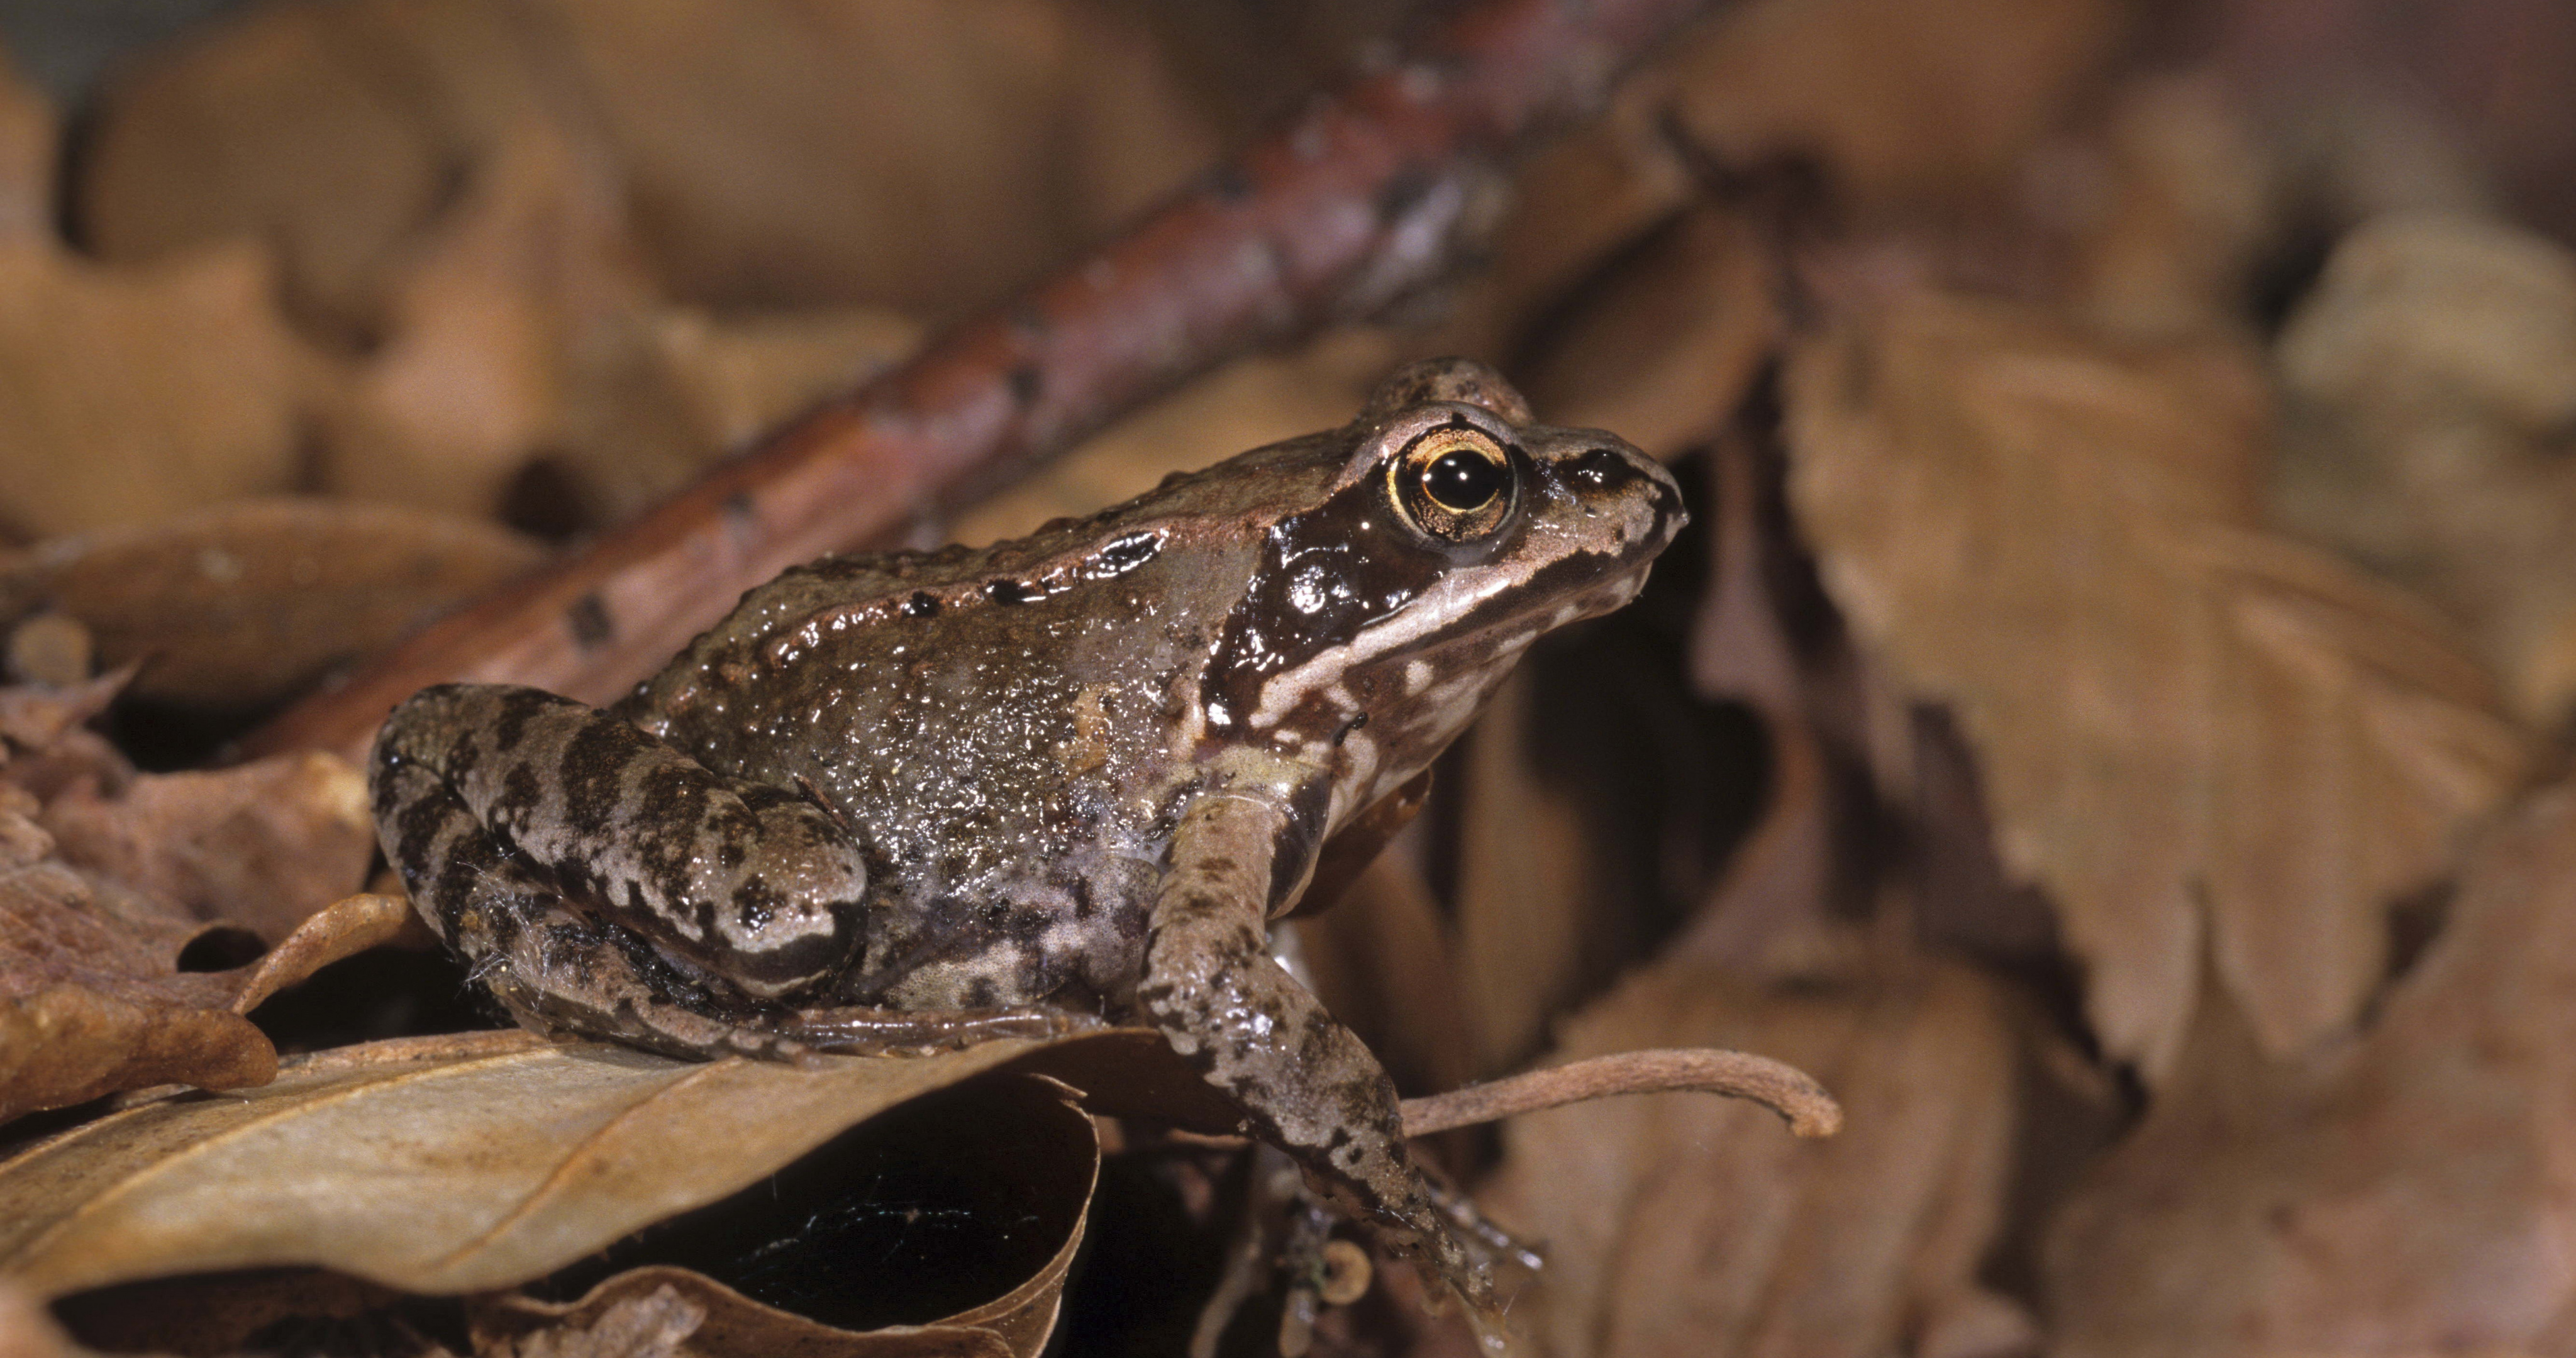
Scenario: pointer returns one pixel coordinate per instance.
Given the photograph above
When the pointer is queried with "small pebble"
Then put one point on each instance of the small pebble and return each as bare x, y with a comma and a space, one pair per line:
52, 649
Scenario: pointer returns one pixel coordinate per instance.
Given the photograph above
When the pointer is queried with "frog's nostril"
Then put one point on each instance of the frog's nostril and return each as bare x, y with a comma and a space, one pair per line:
1600, 471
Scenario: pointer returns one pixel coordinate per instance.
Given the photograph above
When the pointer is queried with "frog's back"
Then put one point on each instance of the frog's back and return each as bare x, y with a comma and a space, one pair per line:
1007, 730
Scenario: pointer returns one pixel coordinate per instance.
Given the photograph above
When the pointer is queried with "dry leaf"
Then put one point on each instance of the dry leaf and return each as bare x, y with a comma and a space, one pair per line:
129, 394
2170, 207
2199, 740
917, 154
651, 1325
2397, 1195
504, 1158
1663, 348
1577, 201
25, 1330
35, 717
910, 153
1245, 404
247, 603
1523, 907
969, 1208
1898, 98
92, 999
741, 376
2435, 369
713, 1320
331, 133
521, 295
260, 845
27, 146
1683, 1225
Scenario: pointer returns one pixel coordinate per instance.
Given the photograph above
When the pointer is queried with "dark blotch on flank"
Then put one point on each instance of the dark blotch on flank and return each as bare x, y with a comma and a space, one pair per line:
921, 605
1026, 382
1009, 591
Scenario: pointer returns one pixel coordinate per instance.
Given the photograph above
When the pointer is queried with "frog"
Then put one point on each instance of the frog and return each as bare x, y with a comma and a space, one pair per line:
904, 800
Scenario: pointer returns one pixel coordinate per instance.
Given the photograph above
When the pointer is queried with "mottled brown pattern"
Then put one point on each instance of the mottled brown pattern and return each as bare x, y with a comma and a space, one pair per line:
895, 801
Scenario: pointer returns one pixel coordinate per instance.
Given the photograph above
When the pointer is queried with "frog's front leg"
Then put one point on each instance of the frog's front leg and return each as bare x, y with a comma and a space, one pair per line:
1306, 1082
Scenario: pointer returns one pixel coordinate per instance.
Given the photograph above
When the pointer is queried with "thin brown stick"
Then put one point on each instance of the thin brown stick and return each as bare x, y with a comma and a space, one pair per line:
1359, 198
1784, 1089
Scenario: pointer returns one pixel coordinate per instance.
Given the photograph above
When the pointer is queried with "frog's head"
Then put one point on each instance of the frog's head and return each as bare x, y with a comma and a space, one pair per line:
1452, 532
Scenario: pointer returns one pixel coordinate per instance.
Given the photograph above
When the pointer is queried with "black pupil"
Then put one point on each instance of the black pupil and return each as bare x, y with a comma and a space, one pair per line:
1462, 482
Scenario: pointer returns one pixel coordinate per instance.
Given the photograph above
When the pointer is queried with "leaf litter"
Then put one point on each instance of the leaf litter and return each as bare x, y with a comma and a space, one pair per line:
470, 261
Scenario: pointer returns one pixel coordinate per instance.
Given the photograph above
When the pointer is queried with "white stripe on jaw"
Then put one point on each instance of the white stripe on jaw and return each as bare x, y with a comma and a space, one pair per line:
1436, 607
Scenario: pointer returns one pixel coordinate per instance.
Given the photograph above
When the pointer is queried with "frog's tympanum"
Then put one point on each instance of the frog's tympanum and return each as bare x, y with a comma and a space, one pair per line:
919, 798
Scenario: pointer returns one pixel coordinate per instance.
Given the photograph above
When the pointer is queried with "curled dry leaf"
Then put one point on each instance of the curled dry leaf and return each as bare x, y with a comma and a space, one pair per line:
503, 1158
1692, 1226
245, 604
260, 845
2401, 1194
969, 1207
92, 999
94, 996
2199, 740
2434, 371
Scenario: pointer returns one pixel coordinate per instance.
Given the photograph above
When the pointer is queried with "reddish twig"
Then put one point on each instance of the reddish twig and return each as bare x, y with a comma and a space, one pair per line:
1784, 1089
1354, 201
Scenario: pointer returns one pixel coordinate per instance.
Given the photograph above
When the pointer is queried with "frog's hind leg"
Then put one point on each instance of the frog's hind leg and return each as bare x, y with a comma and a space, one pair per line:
553, 969
602, 882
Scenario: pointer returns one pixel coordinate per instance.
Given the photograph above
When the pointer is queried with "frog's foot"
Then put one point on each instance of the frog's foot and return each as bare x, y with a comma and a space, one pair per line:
861, 1031
1492, 1244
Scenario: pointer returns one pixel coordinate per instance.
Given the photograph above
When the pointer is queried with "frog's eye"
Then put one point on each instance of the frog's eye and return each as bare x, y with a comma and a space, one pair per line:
1454, 484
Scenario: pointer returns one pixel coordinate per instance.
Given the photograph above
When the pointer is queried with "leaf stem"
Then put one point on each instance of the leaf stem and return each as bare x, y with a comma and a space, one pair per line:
1784, 1089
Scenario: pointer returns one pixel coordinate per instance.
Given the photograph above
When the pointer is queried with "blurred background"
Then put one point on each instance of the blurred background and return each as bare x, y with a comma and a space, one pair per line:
2104, 721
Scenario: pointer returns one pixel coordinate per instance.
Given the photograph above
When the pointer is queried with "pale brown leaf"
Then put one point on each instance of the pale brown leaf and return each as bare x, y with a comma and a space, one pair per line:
260, 845
1662, 348
2198, 739
1683, 1225
127, 394
521, 304
917, 154
502, 1157
1900, 99
1245, 404
2396, 1195
25, 1330
2434, 366
245, 604
92, 1000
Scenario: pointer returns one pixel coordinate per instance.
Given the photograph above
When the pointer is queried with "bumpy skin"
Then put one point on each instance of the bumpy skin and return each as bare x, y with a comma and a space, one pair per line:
909, 799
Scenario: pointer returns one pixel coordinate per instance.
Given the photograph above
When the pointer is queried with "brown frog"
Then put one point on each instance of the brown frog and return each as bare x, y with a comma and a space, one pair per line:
920, 798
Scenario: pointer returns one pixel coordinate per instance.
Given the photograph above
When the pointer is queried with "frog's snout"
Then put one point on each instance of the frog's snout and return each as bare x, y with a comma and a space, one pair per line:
1611, 478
